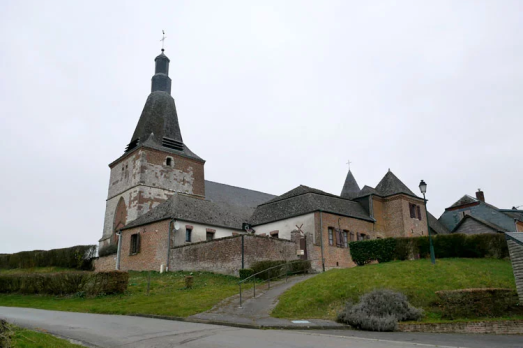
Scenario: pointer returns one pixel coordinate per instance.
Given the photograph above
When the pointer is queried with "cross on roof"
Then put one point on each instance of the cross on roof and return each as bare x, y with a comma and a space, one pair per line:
163, 39
349, 162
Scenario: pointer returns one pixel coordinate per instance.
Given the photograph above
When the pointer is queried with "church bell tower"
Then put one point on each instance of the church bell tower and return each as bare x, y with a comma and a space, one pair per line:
156, 163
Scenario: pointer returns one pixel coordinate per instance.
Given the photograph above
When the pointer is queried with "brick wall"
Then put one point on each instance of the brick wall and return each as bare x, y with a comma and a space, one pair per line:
508, 327
393, 219
335, 256
225, 255
153, 247
516, 257
105, 263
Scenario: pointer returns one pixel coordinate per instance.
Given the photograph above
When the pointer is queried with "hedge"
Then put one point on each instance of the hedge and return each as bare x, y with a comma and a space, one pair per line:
246, 273
295, 267
474, 303
77, 257
448, 245
65, 283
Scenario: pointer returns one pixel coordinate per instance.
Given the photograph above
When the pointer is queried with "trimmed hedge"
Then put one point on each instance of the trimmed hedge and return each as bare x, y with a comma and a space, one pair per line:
77, 257
297, 267
110, 249
448, 245
246, 273
474, 303
65, 283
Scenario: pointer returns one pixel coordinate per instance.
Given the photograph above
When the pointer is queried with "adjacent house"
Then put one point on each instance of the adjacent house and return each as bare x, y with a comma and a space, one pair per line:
473, 215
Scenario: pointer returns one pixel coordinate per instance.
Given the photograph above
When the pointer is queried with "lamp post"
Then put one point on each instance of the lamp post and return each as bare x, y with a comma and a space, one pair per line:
423, 189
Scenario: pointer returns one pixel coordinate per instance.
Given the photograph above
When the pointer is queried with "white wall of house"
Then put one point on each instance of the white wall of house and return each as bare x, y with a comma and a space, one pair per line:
285, 227
199, 232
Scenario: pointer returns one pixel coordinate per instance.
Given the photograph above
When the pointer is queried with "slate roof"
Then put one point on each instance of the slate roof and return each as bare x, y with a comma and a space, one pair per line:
188, 208
437, 226
222, 193
367, 190
481, 221
350, 187
391, 185
463, 201
516, 236
513, 213
303, 200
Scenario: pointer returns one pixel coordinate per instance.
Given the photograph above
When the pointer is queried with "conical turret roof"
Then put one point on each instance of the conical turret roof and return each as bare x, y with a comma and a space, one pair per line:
350, 187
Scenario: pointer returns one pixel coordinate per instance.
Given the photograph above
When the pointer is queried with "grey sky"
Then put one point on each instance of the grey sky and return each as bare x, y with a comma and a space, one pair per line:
272, 94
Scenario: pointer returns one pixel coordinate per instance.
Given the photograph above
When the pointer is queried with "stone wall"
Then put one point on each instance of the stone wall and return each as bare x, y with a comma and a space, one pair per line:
516, 257
507, 327
225, 255
105, 263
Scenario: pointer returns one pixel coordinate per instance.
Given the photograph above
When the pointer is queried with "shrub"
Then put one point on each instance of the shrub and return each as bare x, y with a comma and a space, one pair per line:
299, 267
107, 250
379, 310
449, 245
246, 273
263, 265
6, 333
65, 283
472, 303
78, 257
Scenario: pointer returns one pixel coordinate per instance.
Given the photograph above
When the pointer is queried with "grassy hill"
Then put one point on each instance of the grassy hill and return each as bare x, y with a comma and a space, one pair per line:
323, 295
168, 295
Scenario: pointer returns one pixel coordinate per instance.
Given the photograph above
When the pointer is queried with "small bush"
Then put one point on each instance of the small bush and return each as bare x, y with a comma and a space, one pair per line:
263, 265
473, 303
107, 250
66, 283
299, 267
246, 273
379, 310
6, 333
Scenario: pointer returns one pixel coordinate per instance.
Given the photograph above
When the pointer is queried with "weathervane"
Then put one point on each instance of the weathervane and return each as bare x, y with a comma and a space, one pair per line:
163, 39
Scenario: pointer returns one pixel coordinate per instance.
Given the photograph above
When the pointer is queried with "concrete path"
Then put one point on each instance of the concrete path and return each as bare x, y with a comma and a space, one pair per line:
108, 331
256, 311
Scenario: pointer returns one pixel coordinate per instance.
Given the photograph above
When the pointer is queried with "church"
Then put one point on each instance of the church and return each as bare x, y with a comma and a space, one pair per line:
161, 213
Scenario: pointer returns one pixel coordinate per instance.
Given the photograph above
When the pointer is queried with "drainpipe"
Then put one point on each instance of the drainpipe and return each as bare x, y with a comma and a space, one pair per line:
169, 245
321, 241
243, 252
119, 250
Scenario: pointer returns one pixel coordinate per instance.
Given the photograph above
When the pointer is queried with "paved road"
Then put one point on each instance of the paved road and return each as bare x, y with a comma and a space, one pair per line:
108, 331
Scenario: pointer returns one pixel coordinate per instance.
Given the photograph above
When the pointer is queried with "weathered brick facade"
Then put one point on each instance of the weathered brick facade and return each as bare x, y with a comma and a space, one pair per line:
225, 255
153, 247
335, 256
393, 219
145, 178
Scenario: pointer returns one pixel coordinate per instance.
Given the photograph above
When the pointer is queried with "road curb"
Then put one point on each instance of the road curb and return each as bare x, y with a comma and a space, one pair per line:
244, 326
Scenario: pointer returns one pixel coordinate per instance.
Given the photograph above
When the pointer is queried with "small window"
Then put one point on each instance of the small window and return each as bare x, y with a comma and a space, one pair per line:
169, 161
210, 236
331, 236
352, 239
275, 234
362, 236
135, 244
188, 233
345, 239
339, 238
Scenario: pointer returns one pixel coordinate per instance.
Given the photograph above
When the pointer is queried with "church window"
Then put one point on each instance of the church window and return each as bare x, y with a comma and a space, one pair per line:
188, 233
331, 236
352, 239
415, 211
135, 244
339, 238
345, 239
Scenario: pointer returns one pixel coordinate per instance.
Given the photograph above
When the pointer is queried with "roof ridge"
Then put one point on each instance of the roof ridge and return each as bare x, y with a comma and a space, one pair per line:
243, 188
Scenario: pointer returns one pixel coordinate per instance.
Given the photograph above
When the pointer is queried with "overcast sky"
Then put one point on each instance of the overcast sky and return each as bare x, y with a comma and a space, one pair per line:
271, 94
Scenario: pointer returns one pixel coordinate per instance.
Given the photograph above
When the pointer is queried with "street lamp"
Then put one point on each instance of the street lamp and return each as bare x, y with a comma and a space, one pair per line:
423, 189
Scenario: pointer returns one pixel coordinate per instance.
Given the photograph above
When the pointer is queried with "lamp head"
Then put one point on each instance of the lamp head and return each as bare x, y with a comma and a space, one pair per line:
423, 187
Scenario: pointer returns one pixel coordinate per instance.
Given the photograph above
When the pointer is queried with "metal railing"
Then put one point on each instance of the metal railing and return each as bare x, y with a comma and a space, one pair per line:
282, 272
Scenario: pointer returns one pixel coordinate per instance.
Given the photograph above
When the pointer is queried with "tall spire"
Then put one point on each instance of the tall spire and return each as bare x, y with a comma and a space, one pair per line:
161, 80
350, 188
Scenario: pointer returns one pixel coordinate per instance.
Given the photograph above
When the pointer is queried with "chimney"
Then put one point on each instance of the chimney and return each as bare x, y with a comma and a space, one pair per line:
480, 195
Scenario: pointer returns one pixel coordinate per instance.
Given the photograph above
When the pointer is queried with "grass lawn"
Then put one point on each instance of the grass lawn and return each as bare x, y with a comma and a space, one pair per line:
168, 296
31, 339
323, 295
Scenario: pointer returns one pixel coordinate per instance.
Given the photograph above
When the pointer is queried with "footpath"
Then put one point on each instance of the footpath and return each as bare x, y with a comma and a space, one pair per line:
255, 311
